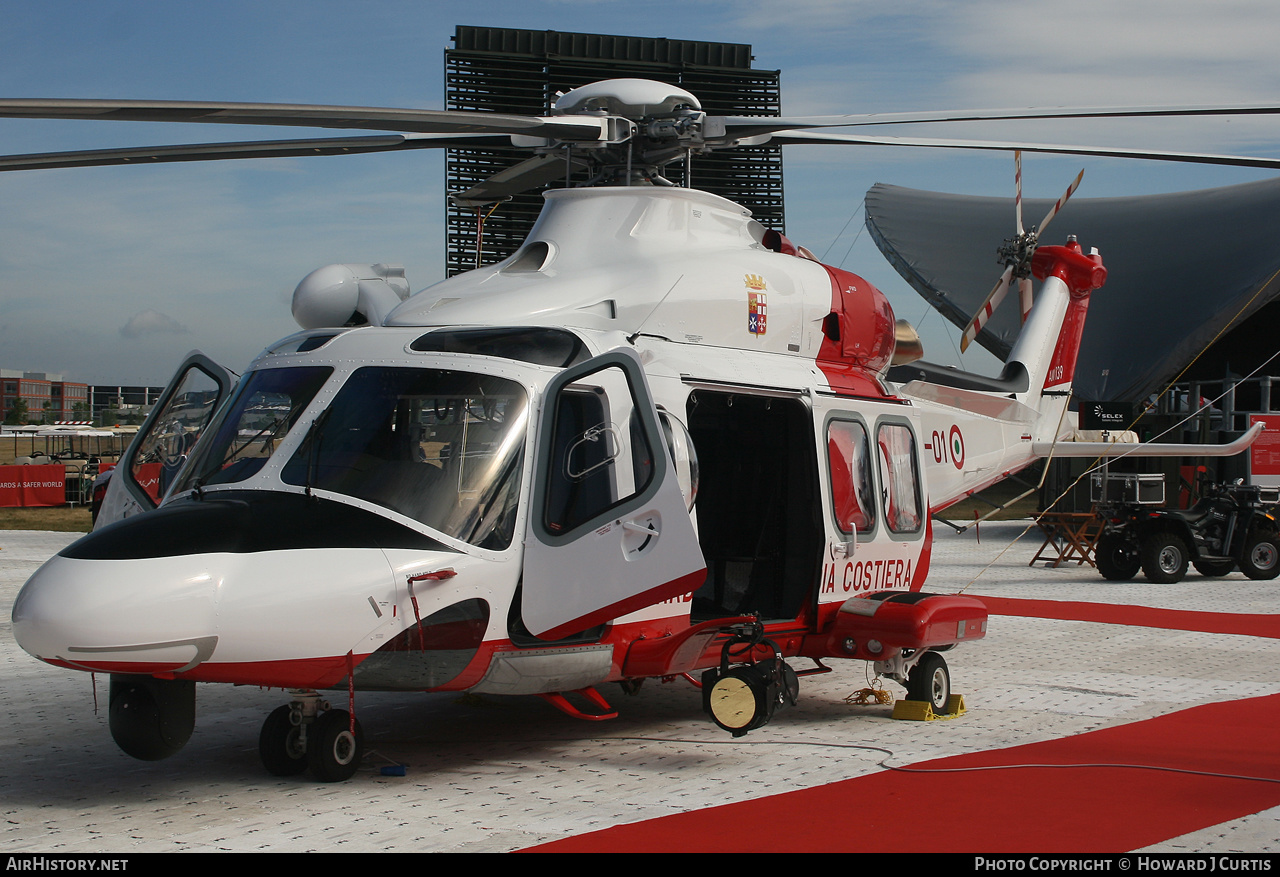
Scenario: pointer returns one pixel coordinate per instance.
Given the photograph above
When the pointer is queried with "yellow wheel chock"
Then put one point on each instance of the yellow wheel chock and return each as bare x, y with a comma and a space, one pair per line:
922, 710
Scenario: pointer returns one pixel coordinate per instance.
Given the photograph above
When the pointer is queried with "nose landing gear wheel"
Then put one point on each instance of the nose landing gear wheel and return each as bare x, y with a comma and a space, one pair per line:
333, 751
280, 745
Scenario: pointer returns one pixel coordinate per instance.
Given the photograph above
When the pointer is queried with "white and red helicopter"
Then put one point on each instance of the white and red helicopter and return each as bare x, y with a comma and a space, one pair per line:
658, 440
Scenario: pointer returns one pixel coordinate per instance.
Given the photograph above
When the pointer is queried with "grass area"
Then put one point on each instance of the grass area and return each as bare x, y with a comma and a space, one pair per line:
69, 519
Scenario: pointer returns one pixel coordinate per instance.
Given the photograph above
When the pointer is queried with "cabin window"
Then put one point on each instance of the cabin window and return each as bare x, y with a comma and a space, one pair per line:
900, 477
304, 343
541, 346
849, 464
440, 446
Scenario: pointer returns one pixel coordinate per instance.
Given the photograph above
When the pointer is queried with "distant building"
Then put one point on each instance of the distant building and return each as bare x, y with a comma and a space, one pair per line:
46, 397
118, 404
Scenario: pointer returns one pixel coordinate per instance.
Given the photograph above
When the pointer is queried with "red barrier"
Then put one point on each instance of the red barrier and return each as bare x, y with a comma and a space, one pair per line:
33, 485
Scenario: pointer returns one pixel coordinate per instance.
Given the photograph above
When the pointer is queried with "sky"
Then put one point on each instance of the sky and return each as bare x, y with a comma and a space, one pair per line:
111, 275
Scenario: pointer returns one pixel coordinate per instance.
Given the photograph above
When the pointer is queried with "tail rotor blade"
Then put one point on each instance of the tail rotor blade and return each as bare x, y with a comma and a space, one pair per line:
1024, 296
1060, 203
1017, 182
986, 310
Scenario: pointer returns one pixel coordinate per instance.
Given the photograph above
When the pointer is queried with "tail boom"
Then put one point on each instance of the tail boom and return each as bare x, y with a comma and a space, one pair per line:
1081, 274
974, 435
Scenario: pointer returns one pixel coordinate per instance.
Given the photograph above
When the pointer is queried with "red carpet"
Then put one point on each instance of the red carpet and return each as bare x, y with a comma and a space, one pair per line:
1140, 616
1016, 809
1044, 810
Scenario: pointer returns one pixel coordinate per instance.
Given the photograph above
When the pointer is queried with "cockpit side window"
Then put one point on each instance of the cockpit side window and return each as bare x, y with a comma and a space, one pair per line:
176, 428
599, 454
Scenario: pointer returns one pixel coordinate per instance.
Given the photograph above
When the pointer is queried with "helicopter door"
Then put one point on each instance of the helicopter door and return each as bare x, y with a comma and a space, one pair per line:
608, 531
148, 466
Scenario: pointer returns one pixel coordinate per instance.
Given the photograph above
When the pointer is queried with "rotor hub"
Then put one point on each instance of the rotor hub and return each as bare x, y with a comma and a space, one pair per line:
1017, 252
632, 98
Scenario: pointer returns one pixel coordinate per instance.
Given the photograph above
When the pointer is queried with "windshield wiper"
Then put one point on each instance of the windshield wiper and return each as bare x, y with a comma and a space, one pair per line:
273, 427
314, 436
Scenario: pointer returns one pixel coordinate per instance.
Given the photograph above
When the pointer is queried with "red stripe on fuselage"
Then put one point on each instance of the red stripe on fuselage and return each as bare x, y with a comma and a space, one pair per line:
331, 671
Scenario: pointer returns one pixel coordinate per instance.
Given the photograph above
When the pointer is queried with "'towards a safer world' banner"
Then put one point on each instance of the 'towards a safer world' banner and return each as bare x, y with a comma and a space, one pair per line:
33, 485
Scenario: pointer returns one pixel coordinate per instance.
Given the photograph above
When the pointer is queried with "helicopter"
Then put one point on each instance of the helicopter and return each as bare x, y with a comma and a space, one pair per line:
658, 441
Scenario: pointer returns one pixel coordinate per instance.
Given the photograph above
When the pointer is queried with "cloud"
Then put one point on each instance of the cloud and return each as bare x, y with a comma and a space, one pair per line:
152, 323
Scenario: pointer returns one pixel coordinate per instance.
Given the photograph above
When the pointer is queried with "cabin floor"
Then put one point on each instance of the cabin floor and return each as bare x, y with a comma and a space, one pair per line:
493, 774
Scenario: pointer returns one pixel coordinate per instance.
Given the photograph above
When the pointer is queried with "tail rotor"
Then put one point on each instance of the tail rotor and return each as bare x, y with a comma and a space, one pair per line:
1015, 254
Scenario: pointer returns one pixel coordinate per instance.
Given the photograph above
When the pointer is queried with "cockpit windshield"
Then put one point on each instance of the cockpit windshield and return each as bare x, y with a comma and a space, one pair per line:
265, 406
440, 446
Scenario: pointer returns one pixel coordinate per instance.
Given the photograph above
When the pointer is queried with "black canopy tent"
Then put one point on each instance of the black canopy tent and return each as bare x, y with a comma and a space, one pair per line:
1182, 268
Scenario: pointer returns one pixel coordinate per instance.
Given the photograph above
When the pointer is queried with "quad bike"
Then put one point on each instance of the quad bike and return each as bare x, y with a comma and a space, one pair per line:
1230, 526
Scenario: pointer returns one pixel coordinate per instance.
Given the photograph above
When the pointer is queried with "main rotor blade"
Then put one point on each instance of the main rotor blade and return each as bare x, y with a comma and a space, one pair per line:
247, 149
746, 126
987, 308
585, 128
528, 174
793, 137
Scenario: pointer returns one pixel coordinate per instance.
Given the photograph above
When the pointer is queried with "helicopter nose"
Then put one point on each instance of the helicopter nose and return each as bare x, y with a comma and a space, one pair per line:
143, 616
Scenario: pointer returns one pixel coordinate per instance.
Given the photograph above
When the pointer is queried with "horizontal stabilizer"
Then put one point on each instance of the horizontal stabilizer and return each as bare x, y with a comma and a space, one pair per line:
1150, 449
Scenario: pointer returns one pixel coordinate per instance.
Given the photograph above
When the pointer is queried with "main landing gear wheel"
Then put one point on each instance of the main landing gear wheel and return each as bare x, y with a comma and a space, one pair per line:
1117, 558
280, 745
333, 751
930, 681
1164, 558
1261, 557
